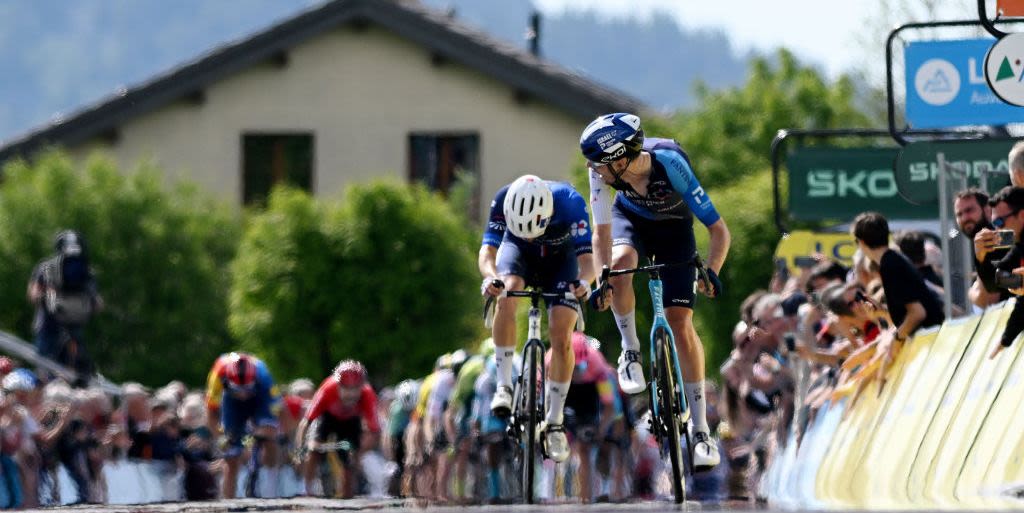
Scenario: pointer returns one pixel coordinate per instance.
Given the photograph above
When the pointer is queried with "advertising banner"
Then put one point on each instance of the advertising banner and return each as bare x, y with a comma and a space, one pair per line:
946, 86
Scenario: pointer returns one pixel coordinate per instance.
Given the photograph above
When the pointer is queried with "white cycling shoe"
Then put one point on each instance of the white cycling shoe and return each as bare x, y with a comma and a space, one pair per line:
555, 445
631, 372
705, 452
501, 403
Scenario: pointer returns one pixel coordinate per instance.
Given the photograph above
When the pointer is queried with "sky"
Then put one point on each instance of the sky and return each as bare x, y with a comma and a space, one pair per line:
829, 32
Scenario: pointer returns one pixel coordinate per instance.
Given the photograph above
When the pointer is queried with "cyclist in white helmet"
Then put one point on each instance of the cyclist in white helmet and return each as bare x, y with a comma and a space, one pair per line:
538, 235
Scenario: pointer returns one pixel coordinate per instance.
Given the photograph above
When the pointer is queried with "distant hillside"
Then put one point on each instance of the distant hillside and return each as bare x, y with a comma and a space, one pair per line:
57, 56
657, 62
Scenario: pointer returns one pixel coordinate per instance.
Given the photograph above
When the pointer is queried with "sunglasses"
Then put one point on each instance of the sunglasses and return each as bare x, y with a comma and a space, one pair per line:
1000, 221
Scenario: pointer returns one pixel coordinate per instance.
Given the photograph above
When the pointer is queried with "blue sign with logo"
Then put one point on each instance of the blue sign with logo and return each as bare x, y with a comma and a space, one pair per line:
946, 86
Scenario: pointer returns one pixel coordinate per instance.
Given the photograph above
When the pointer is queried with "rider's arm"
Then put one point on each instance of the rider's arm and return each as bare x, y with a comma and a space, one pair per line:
719, 245
368, 407
493, 234
685, 182
486, 259
269, 390
214, 394
601, 197
576, 207
324, 397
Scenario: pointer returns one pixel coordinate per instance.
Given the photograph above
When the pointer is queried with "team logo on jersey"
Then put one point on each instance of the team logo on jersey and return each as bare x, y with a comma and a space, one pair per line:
579, 228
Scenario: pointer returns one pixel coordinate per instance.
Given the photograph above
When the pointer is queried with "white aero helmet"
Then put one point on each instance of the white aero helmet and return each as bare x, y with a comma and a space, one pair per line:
528, 207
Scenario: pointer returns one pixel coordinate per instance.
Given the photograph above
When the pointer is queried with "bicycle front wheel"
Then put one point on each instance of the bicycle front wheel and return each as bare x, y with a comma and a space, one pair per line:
668, 408
532, 419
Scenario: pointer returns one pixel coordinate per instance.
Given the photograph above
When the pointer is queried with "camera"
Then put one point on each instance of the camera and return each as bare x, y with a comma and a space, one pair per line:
1005, 239
790, 339
1008, 280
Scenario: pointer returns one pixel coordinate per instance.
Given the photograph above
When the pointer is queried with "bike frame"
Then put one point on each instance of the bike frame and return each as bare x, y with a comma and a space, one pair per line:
534, 343
661, 321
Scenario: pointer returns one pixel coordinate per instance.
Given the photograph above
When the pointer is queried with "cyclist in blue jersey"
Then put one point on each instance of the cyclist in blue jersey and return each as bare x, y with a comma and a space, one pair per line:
537, 235
659, 195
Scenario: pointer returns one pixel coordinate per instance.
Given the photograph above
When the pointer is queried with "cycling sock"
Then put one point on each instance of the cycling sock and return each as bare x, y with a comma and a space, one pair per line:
627, 328
698, 406
556, 401
505, 358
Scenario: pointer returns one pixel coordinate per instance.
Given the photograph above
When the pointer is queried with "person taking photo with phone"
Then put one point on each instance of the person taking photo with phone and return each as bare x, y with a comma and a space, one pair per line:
1007, 219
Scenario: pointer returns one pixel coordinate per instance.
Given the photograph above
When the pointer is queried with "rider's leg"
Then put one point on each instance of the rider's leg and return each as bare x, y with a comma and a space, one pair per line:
691, 363
230, 477
623, 298
309, 471
504, 330
562, 319
494, 455
233, 418
586, 476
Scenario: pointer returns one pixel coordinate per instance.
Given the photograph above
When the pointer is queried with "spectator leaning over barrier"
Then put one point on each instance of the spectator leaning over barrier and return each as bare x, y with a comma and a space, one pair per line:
911, 244
910, 302
972, 213
1006, 205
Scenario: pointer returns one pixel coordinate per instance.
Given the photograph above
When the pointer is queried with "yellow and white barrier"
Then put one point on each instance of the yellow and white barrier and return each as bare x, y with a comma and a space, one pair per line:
944, 431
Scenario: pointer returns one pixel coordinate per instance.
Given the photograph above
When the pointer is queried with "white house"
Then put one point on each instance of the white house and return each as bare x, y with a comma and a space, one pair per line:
350, 90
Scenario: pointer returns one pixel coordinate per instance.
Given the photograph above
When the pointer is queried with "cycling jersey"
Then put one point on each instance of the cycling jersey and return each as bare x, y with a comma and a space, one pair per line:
569, 226
673, 191
595, 372
328, 400
424, 396
398, 419
462, 396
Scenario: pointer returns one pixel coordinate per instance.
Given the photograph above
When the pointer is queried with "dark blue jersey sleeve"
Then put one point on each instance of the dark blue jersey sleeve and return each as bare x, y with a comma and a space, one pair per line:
570, 206
685, 182
495, 229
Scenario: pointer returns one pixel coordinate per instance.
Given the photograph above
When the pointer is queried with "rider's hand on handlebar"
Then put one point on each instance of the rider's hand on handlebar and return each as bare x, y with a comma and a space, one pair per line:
580, 289
601, 299
491, 286
716, 285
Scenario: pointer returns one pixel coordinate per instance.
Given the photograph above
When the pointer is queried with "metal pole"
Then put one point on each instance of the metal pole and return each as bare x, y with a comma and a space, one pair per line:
964, 271
944, 229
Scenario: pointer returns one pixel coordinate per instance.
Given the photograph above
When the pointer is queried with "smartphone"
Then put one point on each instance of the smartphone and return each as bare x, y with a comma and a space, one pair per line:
805, 261
1008, 280
1005, 239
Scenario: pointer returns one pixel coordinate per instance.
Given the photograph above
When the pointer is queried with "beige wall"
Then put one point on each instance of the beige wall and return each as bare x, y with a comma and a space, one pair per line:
360, 93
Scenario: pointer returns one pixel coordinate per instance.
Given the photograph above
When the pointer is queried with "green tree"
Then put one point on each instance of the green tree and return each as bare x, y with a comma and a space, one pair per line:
160, 254
386, 276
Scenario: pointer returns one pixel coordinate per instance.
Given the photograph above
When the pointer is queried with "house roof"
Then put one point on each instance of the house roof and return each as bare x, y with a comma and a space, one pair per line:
436, 31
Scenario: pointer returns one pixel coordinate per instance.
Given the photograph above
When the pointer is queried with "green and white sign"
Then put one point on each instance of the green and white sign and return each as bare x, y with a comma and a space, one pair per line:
839, 183
917, 166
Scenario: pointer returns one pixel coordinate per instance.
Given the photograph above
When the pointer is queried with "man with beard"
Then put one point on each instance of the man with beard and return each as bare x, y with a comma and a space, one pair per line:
972, 213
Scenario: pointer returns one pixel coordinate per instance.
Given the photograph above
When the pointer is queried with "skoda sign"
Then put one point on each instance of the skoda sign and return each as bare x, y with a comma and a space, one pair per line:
1004, 68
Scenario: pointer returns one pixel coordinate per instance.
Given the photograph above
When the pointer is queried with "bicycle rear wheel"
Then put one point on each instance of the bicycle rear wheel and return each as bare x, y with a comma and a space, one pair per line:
668, 408
530, 455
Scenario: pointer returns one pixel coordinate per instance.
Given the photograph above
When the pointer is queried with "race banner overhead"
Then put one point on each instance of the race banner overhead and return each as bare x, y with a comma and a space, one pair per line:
946, 86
